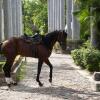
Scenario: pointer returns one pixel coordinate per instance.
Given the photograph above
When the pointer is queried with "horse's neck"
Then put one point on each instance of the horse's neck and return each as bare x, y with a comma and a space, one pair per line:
51, 41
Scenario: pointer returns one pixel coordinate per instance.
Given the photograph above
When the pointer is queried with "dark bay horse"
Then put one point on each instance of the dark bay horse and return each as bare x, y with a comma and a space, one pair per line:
18, 46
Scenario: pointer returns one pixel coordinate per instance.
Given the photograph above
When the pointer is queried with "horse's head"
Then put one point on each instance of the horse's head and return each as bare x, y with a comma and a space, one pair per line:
62, 36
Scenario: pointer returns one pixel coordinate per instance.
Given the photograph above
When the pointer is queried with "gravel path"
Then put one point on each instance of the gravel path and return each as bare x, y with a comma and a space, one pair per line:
68, 83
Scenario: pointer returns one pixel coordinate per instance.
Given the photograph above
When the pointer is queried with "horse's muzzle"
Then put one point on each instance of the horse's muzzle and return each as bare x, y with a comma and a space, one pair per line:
63, 45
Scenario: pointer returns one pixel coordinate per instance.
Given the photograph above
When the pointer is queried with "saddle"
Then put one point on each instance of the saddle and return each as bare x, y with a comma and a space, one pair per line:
35, 39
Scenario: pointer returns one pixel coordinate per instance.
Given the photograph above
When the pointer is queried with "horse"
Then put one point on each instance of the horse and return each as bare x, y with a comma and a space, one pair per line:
18, 46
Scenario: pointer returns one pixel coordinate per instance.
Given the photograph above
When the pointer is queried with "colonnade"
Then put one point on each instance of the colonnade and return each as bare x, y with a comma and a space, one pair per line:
60, 14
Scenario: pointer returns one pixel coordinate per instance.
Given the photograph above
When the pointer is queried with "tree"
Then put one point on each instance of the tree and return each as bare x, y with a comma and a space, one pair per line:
90, 9
35, 13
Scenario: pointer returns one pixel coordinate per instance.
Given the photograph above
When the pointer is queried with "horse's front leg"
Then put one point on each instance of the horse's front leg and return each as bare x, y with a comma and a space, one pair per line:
40, 62
51, 69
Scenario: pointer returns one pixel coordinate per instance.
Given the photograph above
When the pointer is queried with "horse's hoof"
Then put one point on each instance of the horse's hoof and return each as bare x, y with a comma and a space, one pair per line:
40, 84
50, 80
9, 85
15, 83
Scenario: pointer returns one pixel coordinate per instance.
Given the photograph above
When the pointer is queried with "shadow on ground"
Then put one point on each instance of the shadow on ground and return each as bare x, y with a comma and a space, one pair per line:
54, 91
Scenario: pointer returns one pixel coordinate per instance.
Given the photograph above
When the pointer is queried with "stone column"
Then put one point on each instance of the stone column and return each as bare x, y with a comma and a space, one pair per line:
49, 16
75, 23
53, 15
1, 24
62, 14
18, 17
69, 17
14, 17
8, 32
59, 14
56, 15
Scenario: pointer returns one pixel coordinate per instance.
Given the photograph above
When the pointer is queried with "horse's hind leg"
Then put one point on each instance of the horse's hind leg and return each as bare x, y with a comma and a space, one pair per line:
40, 62
51, 69
7, 71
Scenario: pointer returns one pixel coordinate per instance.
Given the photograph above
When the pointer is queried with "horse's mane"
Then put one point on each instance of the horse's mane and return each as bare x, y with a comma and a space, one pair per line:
51, 33
48, 37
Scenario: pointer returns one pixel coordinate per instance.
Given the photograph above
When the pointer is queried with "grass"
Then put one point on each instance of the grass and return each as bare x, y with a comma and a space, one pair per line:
21, 72
1, 65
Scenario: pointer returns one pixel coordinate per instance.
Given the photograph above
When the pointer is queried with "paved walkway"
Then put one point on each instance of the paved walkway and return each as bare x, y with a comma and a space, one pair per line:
68, 83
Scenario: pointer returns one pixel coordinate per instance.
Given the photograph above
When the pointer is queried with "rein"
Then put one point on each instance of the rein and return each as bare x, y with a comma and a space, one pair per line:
60, 34
0, 47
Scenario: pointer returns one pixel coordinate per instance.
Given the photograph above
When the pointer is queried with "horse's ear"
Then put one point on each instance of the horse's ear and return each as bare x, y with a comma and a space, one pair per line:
61, 31
66, 28
64, 31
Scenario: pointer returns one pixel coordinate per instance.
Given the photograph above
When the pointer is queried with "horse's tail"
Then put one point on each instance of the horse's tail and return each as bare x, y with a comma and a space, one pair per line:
1, 47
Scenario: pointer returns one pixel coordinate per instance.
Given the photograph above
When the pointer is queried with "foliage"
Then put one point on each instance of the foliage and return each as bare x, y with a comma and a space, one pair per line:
35, 13
77, 55
21, 71
86, 44
84, 16
91, 59
1, 65
87, 57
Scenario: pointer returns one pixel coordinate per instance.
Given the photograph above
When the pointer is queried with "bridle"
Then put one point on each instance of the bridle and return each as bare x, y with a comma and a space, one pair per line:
59, 37
60, 34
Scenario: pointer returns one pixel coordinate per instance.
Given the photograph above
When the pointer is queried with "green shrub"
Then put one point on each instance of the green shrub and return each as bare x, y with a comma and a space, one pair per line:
77, 55
88, 58
91, 59
1, 65
21, 71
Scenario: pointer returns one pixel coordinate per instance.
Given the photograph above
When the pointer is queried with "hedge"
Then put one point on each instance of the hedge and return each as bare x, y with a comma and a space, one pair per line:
88, 58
